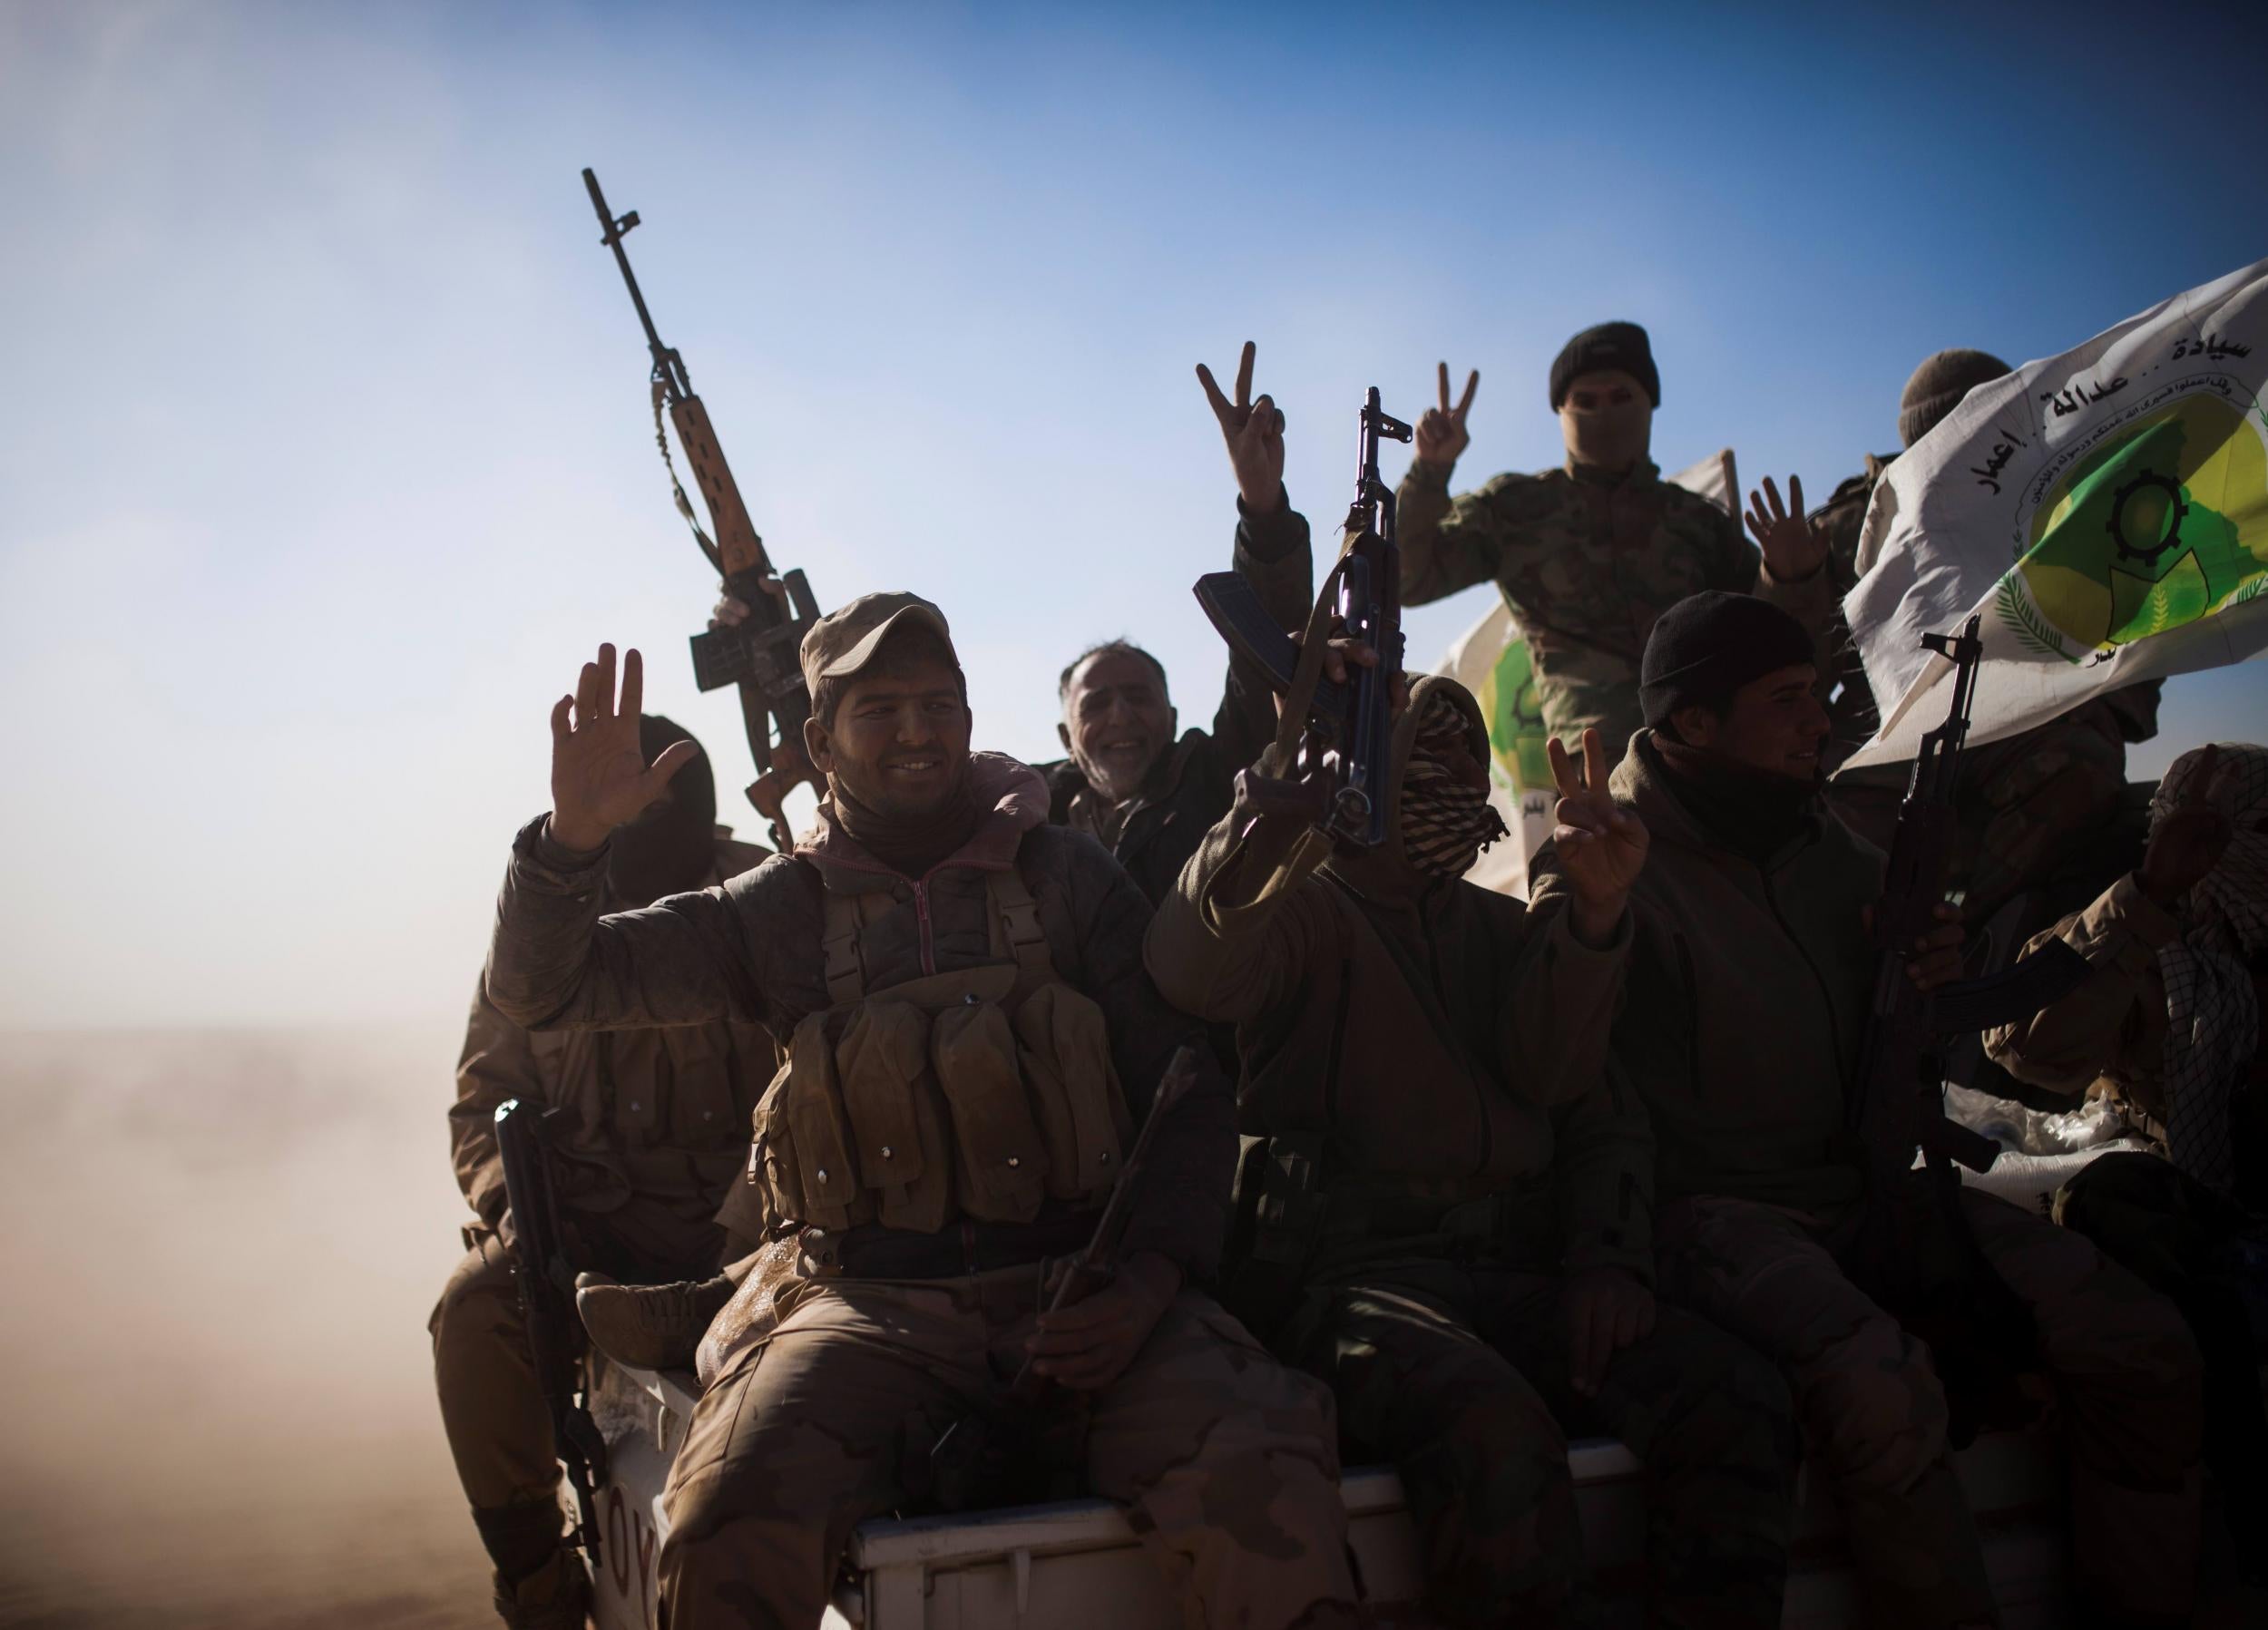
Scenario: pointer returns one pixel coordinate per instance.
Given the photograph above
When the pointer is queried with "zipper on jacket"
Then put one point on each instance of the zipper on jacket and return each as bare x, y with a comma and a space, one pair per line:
1693, 1010
1827, 995
921, 916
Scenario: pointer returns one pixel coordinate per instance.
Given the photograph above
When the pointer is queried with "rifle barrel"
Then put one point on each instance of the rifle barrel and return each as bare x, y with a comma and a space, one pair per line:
667, 366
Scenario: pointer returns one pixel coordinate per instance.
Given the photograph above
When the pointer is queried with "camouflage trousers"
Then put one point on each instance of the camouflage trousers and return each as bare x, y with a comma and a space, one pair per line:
1459, 1374
2027, 807
1226, 1459
2126, 1372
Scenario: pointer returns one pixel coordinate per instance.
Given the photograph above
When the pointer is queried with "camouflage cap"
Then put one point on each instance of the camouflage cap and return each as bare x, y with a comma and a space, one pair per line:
845, 639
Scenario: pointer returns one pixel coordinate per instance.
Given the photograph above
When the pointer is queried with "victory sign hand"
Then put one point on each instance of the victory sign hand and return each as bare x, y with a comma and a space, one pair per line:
1255, 434
1601, 845
599, 777
1791, 548
1441, 431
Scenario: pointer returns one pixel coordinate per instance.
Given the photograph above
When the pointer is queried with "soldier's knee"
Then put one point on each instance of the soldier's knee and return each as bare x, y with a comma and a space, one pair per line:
1873, 1410
478, 1301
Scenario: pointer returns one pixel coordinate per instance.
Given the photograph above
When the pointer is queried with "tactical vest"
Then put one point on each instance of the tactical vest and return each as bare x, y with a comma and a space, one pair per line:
979, 1093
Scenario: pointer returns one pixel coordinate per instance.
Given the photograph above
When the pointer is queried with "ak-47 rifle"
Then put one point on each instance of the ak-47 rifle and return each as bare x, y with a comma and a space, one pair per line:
1334, 740
759, 656
546, 1275
1916, 1251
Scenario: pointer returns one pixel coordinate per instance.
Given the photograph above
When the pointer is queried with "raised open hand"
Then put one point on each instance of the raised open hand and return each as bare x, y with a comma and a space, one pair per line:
1601, 845
1791, 548
2190, 837
599, 777
1255, 434
1441, 434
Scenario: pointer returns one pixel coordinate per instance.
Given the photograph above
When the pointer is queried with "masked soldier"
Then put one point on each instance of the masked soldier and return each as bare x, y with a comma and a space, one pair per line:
1751, 977
1449, 1203
1128, 783
973, 1046
2168, 1023
1587, 556
650, 1133
2029, 806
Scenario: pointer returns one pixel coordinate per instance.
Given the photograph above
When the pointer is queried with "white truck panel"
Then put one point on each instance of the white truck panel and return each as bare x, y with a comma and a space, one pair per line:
1078, 1563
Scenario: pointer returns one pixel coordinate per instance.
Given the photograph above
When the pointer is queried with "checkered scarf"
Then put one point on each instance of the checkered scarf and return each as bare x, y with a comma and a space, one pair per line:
2211, 1006
1446, 819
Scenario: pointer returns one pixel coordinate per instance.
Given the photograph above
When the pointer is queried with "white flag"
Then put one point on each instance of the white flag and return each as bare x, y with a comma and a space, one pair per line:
1490, 659
2103, 514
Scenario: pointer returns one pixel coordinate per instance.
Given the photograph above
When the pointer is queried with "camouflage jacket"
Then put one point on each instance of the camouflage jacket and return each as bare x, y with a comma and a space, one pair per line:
748, 951
1443, 1046
1586, 564
658, 1117
1196, 778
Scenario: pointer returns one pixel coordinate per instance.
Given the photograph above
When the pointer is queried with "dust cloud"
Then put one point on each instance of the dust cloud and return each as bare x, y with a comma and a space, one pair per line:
218, 1251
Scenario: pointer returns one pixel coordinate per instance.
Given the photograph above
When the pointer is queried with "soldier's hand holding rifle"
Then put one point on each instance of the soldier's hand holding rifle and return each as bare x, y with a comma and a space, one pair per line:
1790, 548
1255, 434
1089, 1344
1601, 845
599, 777
1441, 432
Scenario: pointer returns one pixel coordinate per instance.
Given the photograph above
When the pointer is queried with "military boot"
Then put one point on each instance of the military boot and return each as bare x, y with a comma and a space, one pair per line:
556, 1597
649, 1326
541, 1584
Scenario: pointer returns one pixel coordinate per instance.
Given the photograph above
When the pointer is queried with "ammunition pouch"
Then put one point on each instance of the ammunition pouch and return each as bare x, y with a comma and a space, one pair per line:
977, 1094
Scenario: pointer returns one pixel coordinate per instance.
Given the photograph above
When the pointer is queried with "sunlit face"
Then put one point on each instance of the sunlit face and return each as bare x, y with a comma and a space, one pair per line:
900, 736
1775, 724
1117, 722
1606, 420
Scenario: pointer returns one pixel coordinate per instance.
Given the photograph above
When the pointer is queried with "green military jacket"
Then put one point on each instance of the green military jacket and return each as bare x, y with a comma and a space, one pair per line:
1586, 562
1748, 990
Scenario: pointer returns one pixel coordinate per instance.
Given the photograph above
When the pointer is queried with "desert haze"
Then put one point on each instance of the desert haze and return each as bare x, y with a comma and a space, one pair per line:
220, 1249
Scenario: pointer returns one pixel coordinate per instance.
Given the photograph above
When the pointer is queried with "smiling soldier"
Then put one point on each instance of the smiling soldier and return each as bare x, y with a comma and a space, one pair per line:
1129, 784
972, 1048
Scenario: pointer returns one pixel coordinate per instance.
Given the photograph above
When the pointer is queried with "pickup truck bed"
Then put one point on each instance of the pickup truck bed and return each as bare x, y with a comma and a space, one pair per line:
1078, 1564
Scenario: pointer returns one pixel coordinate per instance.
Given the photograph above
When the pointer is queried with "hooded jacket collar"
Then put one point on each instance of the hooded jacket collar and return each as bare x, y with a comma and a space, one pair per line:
1015, 797
1641, 782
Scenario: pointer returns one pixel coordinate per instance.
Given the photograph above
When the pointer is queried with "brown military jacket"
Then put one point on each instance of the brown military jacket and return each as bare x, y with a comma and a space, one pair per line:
1748, 993
657, 1120
1586, 564
1448, 1045
2113, 1027
748, 951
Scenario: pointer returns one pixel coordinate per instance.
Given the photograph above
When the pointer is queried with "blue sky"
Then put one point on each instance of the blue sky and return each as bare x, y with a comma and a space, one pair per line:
326, 460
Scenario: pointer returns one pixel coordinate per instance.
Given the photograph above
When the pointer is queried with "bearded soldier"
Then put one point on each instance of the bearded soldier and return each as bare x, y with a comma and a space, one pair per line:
650, 1132
972, 1045
1588, 555
1449, 1207
1128, 783
1751, 977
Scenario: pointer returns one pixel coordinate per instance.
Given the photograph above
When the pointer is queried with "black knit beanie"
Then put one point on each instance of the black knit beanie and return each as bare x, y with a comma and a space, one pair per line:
1621, 347
1938, 385
1708, 646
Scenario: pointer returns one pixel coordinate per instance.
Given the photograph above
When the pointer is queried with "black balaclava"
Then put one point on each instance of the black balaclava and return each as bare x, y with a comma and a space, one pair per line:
671, 847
